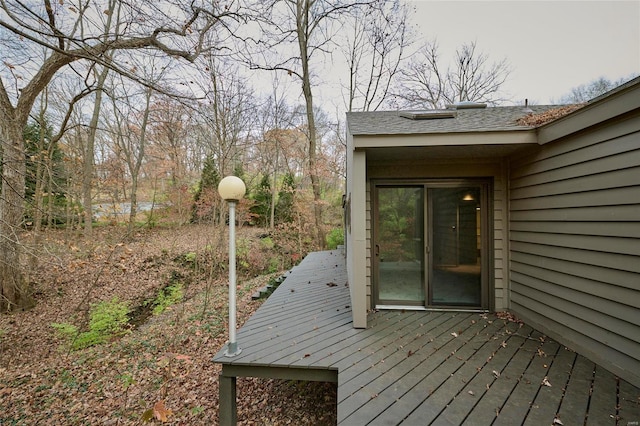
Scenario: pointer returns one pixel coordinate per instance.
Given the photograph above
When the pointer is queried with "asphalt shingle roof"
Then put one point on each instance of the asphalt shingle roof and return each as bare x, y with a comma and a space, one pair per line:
466, 120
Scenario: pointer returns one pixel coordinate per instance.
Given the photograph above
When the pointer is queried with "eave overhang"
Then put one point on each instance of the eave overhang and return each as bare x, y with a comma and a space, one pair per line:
525, 136
623, 100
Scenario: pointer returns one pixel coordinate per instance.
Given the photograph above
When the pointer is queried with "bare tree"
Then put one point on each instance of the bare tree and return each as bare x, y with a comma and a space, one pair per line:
129, 127
472, 77
230, 115
271, 151
308, 27
47, 175
222, 126
113, 10
375, 45
586, 92
71, 35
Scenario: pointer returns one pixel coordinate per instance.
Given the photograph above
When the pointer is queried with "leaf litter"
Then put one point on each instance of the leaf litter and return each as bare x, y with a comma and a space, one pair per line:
161, 370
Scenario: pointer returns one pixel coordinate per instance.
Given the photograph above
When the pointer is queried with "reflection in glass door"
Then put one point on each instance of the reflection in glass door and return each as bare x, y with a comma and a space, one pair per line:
455, 273
399, 246
427, 247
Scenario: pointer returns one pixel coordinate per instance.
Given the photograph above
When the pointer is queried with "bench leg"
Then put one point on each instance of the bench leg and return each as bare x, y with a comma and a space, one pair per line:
227, 400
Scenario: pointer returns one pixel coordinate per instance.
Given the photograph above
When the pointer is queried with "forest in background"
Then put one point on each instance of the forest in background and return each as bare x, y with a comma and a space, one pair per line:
129, 113
117, 120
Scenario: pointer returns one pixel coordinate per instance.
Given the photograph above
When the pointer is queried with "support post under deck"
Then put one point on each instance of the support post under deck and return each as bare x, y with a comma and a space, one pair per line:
227, 400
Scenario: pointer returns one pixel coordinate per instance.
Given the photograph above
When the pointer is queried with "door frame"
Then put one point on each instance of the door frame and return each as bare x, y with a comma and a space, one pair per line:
487, 292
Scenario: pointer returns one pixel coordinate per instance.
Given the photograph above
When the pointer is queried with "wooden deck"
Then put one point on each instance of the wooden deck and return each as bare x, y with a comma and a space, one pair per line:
417, 367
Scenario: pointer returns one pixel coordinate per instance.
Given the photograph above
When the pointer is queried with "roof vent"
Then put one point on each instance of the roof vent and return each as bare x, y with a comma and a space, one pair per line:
428, 114
467, 105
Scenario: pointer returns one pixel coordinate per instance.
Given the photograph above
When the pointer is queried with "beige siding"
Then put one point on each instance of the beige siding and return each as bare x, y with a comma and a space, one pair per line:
499, 250
575, 243
355, 233
368, 279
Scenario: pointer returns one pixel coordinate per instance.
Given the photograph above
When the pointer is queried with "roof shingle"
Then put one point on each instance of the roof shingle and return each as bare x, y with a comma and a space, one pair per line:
466, 120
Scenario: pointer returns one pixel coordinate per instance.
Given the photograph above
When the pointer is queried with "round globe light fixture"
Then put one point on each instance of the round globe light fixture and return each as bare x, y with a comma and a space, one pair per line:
232, 188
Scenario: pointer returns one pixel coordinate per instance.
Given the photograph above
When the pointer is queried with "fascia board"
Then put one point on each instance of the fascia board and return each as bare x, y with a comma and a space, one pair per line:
590, 115
445, 139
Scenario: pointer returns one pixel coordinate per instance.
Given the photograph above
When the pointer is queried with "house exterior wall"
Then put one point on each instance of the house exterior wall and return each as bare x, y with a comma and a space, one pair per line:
451, 169
574, 208
355, 233
369, 216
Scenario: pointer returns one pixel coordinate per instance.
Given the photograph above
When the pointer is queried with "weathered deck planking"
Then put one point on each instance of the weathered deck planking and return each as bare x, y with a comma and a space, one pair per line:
548, 399
412, 367
429, 394
575, 402
603, 403
418, 367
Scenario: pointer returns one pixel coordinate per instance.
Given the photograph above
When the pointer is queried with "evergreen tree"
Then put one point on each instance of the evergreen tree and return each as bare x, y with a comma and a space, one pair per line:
284, 206
203, 206
262, 202
238, 171
44, 155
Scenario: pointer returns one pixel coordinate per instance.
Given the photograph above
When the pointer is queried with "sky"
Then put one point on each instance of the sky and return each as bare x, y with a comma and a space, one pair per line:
552, 46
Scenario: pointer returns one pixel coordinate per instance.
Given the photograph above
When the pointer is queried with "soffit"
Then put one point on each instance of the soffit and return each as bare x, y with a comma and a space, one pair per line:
457, 152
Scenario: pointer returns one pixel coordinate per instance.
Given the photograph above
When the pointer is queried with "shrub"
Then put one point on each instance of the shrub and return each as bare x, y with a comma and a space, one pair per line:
108, 319
168, 296
285, 206
335, 238
262, 197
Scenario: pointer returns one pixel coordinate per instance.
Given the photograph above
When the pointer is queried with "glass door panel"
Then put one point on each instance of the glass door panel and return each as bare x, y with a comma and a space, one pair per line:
399, 249
455, 273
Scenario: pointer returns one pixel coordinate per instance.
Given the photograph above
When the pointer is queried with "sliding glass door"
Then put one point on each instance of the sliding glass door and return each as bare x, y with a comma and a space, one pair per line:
428, 244
456, 239
399, 248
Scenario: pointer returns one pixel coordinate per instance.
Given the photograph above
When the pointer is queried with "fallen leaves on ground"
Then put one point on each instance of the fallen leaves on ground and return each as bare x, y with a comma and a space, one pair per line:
163, 366
509, 317
161, 412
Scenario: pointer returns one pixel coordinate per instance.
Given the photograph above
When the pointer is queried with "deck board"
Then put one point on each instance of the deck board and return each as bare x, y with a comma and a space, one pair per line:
548, 398
603, 402
577, 391
421, 367
502, 383
457, 411
629, 402
380, 332
520, 401
435, 389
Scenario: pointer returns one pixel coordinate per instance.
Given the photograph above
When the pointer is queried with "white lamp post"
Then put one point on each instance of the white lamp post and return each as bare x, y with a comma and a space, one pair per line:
232, 189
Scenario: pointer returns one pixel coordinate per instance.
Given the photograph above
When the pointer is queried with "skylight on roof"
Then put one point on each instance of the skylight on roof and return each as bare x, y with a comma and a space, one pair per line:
427, 114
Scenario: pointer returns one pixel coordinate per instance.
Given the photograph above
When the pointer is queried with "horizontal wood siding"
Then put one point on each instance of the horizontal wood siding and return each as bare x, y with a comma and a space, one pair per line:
369, 265
501, 295
575, 243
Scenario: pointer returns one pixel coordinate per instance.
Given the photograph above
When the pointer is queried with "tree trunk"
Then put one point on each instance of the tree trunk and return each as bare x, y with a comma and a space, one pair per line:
16, 293
133, 208
87, 177
272, 216
303, 26
38, 195
136, 159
